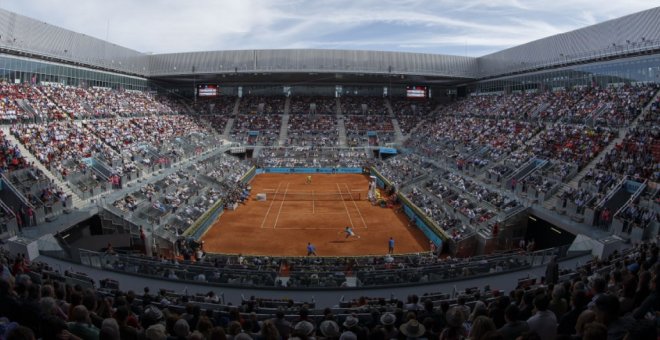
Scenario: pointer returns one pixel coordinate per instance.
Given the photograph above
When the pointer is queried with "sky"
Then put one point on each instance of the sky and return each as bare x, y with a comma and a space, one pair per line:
456, 27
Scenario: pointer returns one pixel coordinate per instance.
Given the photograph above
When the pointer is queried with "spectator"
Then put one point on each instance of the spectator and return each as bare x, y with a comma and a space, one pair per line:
81, 324
543, 322
606, 308
413, 329
480, 326
514, 327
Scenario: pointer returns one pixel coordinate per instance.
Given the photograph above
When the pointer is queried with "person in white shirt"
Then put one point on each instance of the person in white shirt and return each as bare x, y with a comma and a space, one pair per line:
544, 322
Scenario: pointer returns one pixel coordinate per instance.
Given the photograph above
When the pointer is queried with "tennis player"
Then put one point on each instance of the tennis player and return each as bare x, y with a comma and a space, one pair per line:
349, 232
390, 246
311, 249
308, 180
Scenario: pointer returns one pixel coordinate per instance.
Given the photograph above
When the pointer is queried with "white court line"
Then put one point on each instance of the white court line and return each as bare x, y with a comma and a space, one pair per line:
281, 205
313, 202
345, 206
311, 228
357, 208
270, 206
320, 213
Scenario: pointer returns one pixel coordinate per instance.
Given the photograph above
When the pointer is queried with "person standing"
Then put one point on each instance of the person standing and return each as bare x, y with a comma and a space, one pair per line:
349, 232
390, 245
552, 271
311, 250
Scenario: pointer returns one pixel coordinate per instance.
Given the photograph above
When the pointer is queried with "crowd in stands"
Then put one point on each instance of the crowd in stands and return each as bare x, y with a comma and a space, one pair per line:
516, 106
475, 140
10, 156
221, 105
65, 146
56, 101
374, 129
637, 156
353, 105
635, 215
606, 298
434, 208
315, 157
10, 110
261, 105
321, 105
218, 122
410, 113
611, 298
475, 212
610, 106
313, 130
253, 129
404, 168
174, 203
59, 145
600, 182
539, 183
362, 124
579, 197
575, 144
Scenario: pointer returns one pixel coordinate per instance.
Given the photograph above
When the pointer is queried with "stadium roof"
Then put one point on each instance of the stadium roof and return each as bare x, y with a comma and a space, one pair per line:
635, 33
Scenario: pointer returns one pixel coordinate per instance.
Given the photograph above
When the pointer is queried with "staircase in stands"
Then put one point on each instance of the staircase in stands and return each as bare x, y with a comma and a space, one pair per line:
77, 202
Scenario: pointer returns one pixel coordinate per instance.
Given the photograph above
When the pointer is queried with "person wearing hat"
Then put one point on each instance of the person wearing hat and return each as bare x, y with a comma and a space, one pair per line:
156, 332
353, 324
304, 330
455, 319
329, 330
348, 335
388, 320
150, 316
413, 329
181, 329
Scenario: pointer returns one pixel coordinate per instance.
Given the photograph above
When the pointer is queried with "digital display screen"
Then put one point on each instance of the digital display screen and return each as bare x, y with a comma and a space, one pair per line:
208, 90
416, 91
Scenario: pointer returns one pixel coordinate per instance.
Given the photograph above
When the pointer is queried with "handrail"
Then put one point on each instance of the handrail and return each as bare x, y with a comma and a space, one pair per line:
202, 219
632, 198
18, 194
188, 271
610, 194
424, 217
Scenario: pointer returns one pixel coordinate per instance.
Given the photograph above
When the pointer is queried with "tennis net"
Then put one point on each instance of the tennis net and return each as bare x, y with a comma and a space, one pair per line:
317, 196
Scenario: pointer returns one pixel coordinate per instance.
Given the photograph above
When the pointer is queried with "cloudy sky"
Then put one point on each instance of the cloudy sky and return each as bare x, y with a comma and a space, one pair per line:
458, 27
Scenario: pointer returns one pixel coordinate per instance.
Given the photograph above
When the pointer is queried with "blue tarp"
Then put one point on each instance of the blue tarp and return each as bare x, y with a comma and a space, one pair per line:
372, 134
388, 151
253, 133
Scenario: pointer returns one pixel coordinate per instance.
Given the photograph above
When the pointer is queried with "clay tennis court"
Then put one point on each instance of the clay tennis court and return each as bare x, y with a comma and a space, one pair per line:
316, 213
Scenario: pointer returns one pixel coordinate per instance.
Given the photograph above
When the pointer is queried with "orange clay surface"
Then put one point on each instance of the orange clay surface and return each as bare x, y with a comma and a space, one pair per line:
283, 228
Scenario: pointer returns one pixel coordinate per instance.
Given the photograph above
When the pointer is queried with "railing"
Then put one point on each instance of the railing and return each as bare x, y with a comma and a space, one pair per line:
610, 194
632, 198
369, 274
